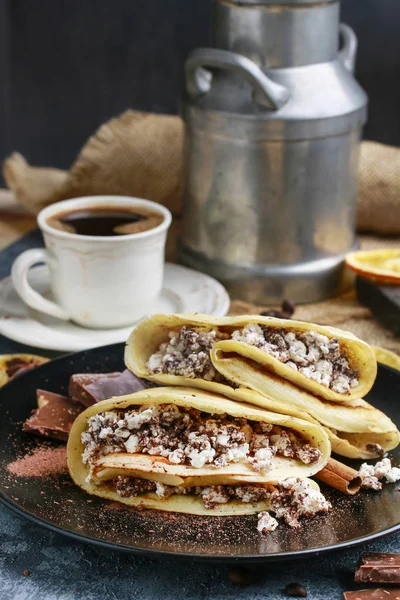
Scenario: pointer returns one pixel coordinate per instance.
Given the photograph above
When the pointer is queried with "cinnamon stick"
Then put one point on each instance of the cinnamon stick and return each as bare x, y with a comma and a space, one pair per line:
341, 477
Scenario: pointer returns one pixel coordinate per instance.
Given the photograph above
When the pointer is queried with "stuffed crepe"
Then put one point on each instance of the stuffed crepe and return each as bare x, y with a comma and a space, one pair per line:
327, 362
185, 450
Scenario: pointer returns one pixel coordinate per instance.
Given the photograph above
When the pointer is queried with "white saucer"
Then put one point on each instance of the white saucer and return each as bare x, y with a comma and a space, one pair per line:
184, 290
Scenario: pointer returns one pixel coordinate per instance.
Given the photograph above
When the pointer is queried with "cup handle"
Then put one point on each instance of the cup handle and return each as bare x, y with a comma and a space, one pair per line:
19, 273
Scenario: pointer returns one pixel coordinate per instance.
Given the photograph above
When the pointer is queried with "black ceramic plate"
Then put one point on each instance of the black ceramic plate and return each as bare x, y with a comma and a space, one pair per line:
58, 504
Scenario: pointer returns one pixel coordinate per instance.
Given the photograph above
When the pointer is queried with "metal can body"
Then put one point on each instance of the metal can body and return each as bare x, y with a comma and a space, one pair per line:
271, 219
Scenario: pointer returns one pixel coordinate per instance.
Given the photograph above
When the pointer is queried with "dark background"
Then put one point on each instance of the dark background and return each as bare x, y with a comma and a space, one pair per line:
68, 65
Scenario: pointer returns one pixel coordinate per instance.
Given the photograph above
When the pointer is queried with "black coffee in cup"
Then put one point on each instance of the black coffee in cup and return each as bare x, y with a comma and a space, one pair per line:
105, 220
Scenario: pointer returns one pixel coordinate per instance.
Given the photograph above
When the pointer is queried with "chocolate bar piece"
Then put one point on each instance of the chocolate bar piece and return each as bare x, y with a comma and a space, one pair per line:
79, 382
382, 300
373, 594
89, 388
379, 567
54, 416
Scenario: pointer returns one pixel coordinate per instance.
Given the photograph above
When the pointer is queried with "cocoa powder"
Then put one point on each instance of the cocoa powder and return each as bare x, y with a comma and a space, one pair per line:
41, 462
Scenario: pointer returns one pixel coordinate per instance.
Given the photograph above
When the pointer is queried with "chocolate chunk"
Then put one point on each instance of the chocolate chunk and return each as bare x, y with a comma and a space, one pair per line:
54, 417
373, 594
379, 567
374, 557
376, 449
89, 388
296, 589
79, 382
239, 576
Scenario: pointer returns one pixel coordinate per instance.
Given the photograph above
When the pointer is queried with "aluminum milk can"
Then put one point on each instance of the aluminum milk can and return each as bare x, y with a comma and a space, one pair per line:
273, 118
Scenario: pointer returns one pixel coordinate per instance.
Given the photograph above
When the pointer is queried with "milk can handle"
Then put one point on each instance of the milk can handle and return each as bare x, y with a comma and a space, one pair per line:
198, 79
349, 51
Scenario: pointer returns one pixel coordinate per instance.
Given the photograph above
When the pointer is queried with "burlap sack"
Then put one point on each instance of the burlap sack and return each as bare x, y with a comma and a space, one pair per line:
140, 154
379, 197
136, 154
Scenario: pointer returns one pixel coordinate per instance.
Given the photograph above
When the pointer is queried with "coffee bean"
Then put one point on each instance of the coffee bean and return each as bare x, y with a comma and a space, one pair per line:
288, 308
26, 573
239, 576
296, 589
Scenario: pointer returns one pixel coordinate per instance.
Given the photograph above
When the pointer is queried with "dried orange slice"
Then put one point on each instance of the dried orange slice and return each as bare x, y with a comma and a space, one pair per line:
12, 365
382, 266
387, 357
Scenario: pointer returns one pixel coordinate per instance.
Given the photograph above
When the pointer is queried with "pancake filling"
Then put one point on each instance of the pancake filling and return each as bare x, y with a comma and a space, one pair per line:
312, 354
187, 354
186, 436
290, 500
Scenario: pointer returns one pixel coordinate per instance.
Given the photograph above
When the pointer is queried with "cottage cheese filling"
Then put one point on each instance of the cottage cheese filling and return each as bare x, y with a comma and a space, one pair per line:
295, 498
289, 501
190, 437
187, 353
312, 354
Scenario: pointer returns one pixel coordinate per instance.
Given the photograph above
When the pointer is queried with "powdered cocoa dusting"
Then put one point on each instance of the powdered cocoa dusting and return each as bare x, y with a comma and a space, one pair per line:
43, 461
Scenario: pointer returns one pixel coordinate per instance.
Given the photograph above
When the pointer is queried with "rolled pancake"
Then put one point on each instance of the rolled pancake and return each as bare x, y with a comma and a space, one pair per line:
157, 468
147, 337
12, 365
351, 427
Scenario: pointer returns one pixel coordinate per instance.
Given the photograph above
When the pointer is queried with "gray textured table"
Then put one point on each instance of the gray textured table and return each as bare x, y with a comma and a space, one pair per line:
60, 569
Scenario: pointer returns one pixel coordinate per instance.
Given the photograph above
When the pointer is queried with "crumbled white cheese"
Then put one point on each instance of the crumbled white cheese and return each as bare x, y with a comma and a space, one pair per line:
187, 354
341, 384
393, 475
382, 468
371, 474
292, 365
199, 458
314, 355
262, 460
176, 457
223, 439
122, 433
308, 501
366, 470
238, 453
132, 444
214, 495
297, 352
266, 522
371, 483
325, 369
135, 421
307, 371
251, 334
297, 499
161, 489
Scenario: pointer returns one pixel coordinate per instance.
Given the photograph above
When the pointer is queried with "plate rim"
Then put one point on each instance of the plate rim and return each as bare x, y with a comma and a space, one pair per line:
248, 558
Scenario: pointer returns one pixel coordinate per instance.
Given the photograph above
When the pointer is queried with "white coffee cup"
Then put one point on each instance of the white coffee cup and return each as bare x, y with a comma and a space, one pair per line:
96, 281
